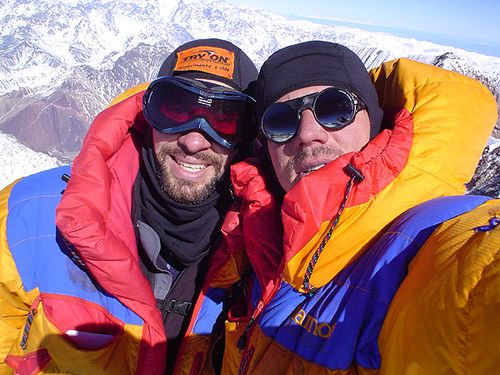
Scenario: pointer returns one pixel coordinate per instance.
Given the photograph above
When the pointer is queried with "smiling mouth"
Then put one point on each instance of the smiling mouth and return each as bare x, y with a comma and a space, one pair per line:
193, 167
190, 167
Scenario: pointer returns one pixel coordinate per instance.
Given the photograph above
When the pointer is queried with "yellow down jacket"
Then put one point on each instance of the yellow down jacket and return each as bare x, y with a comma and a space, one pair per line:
408, 281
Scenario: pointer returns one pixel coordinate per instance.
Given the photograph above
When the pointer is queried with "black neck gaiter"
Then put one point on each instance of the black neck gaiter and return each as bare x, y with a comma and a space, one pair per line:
186, 231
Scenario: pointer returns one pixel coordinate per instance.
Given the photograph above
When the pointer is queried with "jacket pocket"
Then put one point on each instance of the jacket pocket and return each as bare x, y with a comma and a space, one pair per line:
86, 325
65, 334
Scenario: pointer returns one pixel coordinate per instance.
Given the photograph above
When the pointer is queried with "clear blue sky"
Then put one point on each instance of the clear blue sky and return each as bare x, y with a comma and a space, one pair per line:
471, 24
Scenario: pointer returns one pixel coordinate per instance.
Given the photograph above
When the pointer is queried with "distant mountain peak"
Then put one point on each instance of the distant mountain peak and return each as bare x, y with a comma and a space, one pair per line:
61, 61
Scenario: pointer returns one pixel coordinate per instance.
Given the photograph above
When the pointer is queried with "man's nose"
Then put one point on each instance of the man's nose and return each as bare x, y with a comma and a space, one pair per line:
310, 130
193, 142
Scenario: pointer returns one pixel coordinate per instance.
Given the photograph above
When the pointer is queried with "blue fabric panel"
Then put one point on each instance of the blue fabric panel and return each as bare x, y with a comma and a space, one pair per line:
32, 239
209, 311
339, 326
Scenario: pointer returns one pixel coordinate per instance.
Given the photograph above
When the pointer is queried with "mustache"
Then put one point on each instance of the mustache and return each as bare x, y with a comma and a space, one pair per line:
205, 156
185, 191
305, 154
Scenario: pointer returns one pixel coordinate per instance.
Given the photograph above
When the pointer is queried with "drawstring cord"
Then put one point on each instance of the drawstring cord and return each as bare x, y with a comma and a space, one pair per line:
356, 177
492, 224
29, 321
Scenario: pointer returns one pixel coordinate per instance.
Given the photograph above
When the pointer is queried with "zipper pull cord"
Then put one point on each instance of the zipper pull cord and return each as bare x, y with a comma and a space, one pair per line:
356, 177
29, 321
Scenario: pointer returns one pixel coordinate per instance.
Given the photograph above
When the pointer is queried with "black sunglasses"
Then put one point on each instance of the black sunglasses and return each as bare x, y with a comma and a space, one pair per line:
175, 105
333, 108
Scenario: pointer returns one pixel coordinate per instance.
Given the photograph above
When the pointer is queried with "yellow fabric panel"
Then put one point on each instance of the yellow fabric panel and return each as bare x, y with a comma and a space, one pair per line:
445, 315
272, 359
231, 271
118, 357
360, 224
15, 303
232, 355
450, 112
14, 300
193, 346
129, 92
9, 277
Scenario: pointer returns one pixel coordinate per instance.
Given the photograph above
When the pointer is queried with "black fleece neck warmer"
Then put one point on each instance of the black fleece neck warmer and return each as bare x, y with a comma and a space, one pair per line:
186, 231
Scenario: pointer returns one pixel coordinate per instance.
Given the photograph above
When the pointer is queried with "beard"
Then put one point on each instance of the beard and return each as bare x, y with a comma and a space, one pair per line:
185, 191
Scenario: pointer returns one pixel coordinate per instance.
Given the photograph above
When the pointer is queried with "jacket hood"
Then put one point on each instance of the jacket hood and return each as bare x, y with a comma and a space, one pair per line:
430, 114
94, 215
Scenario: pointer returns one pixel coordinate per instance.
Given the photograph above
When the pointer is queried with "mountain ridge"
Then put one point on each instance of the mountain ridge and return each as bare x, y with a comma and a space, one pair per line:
62, 62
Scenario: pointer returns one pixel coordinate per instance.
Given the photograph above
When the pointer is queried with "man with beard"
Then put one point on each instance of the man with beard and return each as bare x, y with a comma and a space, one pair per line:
366, 256
100, 268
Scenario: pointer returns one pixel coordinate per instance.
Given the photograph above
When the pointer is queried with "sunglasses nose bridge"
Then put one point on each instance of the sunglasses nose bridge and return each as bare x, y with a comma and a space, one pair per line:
309, 130
304, 103
300, 115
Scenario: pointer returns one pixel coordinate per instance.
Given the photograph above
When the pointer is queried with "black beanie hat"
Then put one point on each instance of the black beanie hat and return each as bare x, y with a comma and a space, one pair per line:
316, 63
214, 59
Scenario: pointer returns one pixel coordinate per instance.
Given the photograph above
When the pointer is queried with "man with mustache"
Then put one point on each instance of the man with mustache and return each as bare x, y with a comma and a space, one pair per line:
366, 256
101, 268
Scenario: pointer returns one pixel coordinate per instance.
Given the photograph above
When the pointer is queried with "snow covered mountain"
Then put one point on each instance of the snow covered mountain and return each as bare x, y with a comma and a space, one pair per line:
19, 160
61, 61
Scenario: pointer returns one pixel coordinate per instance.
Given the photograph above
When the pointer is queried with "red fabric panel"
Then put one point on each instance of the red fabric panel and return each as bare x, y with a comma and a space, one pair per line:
262, 230
70, 313
94, 216
303, 209
384, 157
30, 363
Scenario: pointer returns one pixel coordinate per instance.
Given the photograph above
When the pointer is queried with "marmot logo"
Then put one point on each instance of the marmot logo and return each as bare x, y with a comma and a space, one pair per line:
311, 325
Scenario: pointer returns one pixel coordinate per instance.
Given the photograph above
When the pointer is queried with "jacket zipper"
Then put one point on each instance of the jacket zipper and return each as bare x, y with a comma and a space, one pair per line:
243, 341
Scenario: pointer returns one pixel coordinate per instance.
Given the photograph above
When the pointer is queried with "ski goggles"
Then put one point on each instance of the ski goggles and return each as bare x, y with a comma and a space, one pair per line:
333, 108
176, 105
